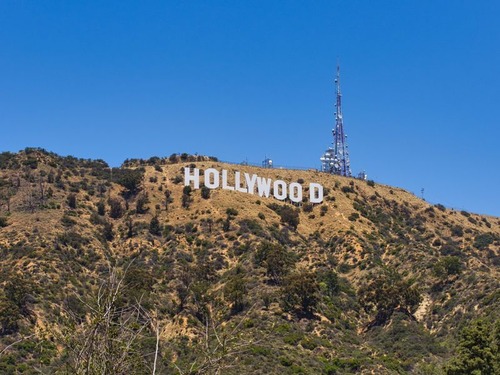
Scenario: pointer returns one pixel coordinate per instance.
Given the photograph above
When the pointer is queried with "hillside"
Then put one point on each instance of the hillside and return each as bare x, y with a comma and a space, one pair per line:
126, 270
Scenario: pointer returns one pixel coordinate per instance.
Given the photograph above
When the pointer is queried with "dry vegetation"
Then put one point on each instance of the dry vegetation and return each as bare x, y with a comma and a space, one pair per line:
124, 270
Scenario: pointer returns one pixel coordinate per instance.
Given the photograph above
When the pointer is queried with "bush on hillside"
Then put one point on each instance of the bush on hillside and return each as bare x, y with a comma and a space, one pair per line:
72, 201
386, 292
3, 222
482, 241
130, 179
116, 210
300, 294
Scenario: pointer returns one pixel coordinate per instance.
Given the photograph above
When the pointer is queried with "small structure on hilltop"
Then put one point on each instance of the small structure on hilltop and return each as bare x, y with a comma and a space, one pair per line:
267, 163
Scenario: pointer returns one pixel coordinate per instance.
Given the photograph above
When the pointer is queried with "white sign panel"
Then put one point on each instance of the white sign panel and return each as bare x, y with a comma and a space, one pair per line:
252, 184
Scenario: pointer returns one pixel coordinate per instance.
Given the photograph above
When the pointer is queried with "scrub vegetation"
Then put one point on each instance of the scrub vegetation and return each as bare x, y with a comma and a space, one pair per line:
127, 271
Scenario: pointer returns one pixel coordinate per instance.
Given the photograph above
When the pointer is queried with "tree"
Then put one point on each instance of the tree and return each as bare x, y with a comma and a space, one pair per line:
72, 201
235, 291
307, 207
50, 177
107, 231
168, 198
130, 228
16, 303
387, 292
232, 212
278, 264
155, 226
186, 197
209, 222
478, 353
101, 208
3, 222
186, 201
329, 282
449, 265
142, 201
276, 259
226, 225
116, 209
483, 240
300, 294
9, 316
130, 179
289, 216
172, 158
205, 192
19, 291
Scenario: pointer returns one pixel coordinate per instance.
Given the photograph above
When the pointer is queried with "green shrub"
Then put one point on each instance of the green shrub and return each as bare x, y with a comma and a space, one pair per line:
449, 265
205, 192
251, 226
187, 190
406, 340
130, 179
440, 207
116, 210
386, 291
235, 291
347, 189
276, 259
329, 282
293, 338
307, 207
457, 231
155, 226
177, 179
107, 231
450, 248
290, 217
9, 316
142, 201
73, 239
354, 216
67, 221
260, 350
186, 201
3, 222
101, 208
309, 343
71, 201
482, 241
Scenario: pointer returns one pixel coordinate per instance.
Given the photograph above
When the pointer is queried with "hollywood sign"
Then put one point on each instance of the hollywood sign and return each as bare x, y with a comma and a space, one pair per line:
252, 184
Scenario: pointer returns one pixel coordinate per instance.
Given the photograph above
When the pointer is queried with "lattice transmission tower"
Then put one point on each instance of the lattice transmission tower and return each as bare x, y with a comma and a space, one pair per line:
335, 160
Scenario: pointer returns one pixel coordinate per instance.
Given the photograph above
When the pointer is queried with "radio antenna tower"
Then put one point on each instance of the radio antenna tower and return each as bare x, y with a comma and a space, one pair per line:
335, 160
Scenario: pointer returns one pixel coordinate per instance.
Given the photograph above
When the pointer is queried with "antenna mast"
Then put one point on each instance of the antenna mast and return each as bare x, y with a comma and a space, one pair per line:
335, 160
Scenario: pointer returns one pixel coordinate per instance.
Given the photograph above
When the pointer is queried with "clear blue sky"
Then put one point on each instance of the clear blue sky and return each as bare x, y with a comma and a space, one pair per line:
245, 79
